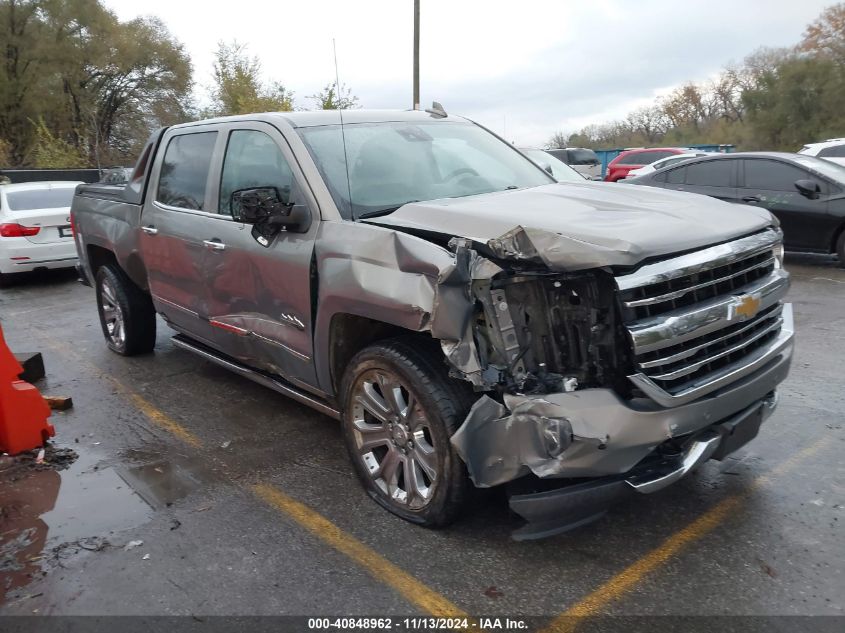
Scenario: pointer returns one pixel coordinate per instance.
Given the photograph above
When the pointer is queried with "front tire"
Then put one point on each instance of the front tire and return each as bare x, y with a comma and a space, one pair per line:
840, 249
127, 315
399, 411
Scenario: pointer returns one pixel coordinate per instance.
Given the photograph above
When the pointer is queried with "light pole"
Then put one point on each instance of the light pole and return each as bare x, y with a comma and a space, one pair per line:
416, 54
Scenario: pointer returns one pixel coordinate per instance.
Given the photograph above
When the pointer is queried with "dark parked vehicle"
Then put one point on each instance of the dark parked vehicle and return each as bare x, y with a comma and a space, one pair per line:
807, 194
582, 160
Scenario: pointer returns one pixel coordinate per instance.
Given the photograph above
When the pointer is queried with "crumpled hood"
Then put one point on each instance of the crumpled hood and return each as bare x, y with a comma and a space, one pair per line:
573, 226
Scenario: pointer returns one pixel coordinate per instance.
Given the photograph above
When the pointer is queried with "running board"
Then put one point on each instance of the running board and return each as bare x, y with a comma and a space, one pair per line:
284, 388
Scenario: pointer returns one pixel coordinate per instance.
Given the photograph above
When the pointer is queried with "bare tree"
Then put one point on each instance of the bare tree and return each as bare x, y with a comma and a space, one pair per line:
558, 140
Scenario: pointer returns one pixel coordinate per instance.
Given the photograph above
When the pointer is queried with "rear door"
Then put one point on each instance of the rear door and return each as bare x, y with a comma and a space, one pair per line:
715, 178
260, 297
179, 199
771, 184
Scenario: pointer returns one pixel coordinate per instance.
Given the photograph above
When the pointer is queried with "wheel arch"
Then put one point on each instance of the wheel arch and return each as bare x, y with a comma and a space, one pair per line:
836, 235
349, 333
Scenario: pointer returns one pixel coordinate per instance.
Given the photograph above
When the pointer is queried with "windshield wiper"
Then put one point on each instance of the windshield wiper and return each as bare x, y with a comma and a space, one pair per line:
385, 211
377, 213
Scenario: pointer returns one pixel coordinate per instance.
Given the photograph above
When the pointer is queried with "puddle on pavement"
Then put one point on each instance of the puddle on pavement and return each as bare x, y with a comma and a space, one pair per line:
160, 482
42, 511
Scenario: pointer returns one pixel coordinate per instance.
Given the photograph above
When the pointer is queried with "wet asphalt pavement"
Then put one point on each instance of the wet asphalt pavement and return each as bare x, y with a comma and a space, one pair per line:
179, 454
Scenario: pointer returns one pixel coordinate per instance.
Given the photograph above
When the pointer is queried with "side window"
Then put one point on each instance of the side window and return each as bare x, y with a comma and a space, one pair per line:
675, 176
772, 175
837, 151
711, 173
633, 159
253, 160
184, 171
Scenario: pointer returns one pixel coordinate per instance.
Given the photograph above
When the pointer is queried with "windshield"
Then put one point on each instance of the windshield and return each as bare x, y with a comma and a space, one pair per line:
390, 164
560, 170
827, 168
39, 198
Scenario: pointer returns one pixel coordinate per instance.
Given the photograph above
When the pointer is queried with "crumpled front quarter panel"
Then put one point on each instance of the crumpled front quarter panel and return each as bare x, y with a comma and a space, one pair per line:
376, 273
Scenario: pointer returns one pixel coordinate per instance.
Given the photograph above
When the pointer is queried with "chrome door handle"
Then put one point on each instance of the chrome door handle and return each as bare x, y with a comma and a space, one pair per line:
149, 230
751, 199
214, 245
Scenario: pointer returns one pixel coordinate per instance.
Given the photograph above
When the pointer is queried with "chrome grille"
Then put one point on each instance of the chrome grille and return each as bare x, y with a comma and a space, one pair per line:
698, 319
665, 296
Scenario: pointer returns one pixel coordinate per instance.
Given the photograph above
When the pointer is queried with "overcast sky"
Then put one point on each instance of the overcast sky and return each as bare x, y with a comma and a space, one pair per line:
524, 67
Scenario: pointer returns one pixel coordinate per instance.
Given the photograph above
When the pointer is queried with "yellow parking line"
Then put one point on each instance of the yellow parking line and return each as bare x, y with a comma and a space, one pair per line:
379, 567
153, 413
594, 603
161, 419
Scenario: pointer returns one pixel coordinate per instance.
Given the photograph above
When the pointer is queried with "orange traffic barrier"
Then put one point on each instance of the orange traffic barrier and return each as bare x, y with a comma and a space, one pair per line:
23, 412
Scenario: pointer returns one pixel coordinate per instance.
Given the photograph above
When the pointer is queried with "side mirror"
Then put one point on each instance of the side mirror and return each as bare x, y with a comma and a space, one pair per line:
548, 168
263, 207
808, 188
256, 205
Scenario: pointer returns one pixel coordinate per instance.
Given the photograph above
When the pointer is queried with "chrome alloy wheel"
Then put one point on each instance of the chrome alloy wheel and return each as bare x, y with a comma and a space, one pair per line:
112, 314
393, 439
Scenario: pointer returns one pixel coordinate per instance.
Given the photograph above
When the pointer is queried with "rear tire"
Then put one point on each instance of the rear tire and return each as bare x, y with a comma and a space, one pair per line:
400, 409
840, 249
126, 312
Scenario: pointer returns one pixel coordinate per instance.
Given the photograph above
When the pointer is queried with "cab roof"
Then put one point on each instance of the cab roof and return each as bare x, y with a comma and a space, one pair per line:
312, 118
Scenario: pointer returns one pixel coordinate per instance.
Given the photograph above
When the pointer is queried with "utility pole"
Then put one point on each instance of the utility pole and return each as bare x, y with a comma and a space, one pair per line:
416, 54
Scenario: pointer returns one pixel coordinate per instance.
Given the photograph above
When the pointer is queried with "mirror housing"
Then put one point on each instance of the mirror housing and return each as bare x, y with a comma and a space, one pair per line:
808, 188
263, 207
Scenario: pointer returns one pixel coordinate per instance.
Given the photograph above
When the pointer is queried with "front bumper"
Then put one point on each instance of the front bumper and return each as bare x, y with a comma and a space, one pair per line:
592, 433
558, 510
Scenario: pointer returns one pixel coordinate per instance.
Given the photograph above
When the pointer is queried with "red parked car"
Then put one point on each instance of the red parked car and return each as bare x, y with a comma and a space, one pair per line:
630, 159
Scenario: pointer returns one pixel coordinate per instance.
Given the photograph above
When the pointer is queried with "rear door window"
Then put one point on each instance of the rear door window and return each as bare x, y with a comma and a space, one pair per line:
184, 171
711, 173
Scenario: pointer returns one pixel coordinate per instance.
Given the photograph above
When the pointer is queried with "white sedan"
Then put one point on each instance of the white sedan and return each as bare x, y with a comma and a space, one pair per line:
663, 162
833, 149
35, 229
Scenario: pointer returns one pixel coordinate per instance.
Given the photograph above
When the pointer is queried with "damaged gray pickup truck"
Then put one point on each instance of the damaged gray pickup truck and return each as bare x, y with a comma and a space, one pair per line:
466, 318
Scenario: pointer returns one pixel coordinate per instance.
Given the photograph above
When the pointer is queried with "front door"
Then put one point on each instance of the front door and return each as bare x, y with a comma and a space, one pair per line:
260, 296
771, 184
171, 236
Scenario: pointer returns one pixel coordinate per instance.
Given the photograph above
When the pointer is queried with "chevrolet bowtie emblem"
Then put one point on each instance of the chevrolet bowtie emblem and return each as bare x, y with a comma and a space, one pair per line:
745, 307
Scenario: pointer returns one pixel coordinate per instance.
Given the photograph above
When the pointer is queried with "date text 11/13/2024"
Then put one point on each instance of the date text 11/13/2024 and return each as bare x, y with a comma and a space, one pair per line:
417, 624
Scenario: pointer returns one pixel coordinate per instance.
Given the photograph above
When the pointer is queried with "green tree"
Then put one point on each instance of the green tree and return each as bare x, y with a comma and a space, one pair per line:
51, 152
333, 98
797, 101
238, 88
96, 83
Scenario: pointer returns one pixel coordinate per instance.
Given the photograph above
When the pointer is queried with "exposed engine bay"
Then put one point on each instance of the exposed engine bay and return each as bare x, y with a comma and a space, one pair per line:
541, 332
